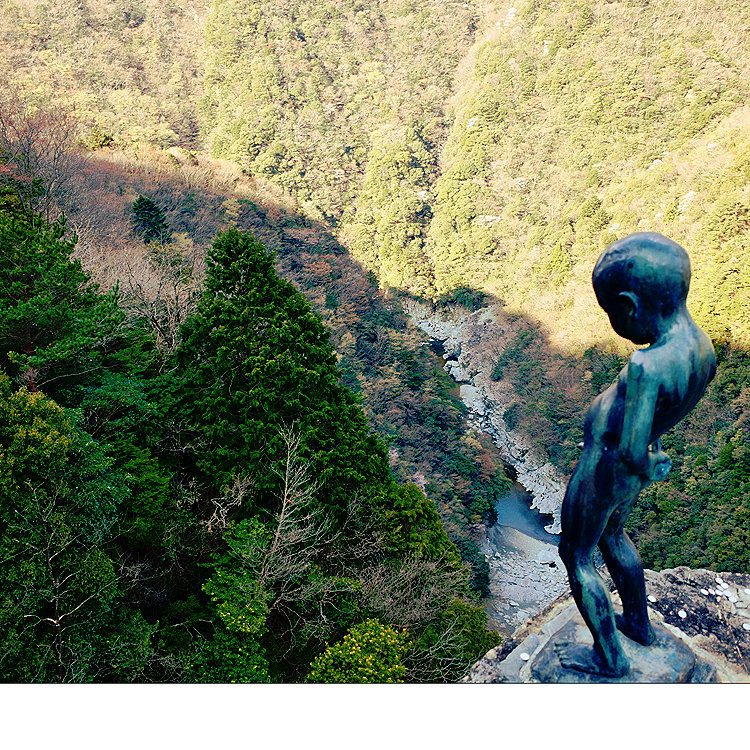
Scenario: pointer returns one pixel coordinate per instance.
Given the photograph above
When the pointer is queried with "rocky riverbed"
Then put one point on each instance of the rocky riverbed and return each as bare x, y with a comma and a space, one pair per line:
471, 344
528, 583
526, 573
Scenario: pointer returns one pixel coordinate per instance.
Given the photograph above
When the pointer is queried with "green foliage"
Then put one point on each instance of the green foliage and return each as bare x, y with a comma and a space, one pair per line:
53, 321
130, 72
471, 299
699, 516
169, 524
120, 407
514, 354
572, 105
474, 557
235, 653
557, 268
411, 524
369, 652
254, 358
149, 222
312, 99
729, 218
59, 586
389, 225
97, 139
143, 515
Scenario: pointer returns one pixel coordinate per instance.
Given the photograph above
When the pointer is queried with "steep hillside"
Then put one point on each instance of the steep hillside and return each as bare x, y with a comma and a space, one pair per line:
492, 145
482, 151
131, 70
299, 91
579, 122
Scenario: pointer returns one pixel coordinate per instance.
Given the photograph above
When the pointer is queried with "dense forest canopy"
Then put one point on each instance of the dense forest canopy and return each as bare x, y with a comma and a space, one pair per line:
493, 146
206, 337
217, 514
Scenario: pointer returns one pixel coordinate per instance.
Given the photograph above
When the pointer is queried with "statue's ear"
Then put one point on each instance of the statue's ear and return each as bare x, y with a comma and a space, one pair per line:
629, 301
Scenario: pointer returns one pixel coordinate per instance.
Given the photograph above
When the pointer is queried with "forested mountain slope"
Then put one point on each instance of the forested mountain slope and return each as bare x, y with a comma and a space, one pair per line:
570, 124
217, 510
489, 145
581, 122
470, 150
132, 70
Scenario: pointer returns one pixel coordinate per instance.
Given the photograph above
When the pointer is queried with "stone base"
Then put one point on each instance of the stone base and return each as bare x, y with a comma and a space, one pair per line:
531, 656
706, 613
667, 660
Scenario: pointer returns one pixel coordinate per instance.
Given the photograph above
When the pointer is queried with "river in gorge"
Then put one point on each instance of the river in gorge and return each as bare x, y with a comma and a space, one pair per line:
526, 573
514, 510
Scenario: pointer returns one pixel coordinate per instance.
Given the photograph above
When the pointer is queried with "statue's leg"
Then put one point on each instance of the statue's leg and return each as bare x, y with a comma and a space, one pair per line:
625, 567
585, 514
592, 598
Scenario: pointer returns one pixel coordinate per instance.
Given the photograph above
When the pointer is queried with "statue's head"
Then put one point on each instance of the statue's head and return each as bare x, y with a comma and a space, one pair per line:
640, 282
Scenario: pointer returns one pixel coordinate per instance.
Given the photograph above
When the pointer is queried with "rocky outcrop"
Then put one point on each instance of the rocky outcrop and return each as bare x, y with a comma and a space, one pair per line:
708, 614
472, 343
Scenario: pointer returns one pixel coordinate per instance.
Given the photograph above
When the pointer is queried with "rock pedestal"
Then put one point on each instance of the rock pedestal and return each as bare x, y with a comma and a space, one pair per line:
667, 660
701, 620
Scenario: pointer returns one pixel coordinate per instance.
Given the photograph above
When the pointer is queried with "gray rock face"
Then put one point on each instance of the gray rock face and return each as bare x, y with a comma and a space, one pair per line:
712, 640
717, 621
472, 343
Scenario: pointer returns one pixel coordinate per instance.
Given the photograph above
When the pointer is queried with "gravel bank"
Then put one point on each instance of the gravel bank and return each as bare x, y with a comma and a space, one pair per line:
525, 576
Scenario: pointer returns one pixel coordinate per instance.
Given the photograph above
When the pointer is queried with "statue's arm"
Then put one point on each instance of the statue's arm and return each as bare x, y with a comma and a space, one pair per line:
641, 393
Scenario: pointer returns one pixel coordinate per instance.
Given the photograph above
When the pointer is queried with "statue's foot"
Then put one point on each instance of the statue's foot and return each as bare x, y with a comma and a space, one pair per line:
643, 635
585, 659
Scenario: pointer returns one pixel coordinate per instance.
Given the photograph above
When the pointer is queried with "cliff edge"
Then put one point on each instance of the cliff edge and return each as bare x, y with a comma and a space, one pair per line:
706, 612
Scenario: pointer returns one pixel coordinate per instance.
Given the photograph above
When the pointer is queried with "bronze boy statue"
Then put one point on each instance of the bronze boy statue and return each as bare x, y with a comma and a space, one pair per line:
641, 282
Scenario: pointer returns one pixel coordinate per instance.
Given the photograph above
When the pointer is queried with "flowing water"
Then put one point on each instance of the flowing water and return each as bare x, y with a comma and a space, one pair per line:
514, 510
525, 572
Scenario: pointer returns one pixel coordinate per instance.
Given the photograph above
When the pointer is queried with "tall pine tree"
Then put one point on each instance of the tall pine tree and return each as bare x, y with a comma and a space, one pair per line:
255, 359
54, 323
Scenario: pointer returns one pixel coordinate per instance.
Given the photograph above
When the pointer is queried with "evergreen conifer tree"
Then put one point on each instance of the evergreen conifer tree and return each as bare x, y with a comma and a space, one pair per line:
149, 222
53, 320
255, 359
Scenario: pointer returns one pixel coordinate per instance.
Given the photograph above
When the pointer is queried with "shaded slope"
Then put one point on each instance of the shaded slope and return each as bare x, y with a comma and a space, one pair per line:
406, 395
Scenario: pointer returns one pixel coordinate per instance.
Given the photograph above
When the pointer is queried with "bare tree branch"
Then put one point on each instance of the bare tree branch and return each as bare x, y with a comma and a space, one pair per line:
39, 148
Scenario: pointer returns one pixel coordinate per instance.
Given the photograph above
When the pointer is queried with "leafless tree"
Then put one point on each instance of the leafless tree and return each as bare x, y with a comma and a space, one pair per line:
164, 289
230, 500
38, 150
412, 593
441, 661
300, 530
300, 535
